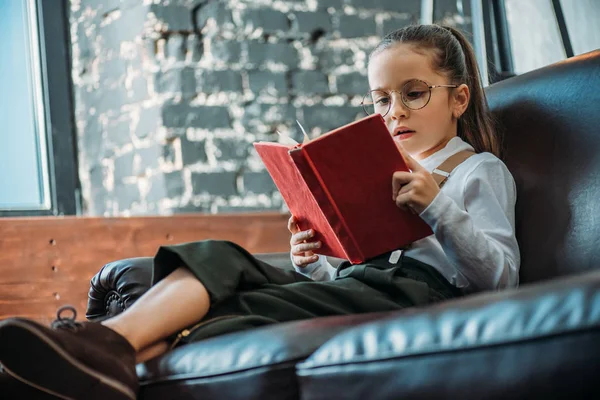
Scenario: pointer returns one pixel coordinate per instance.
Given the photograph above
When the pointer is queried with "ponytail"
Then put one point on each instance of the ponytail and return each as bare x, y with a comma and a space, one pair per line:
454, 55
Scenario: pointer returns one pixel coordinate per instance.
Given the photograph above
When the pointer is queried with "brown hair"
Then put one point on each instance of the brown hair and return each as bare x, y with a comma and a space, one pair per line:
454, 55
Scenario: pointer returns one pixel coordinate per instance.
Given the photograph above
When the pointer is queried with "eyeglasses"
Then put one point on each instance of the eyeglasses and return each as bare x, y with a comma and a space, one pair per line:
415, 95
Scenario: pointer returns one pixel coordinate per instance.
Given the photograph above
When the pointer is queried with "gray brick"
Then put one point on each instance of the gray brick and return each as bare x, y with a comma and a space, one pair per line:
149, 48
405, 6
104, 5
118, 132
149, 157
174, 184
215, 183
184, 116
258, 182
332, 3
97, 176
193, 152
112, 71
139, 90
156, 191
283, 53
328, 118
176, 80
123, 166
269, 20
231, 149
310, 82
169, 151
353, 26
273, 83
98, 204
109, 100
125, 29
195, 46
227, 51
309, 22
390, 25
256, 114
92, 141
353, 84
216, 10
150, 120
126, 195
191, 209
178, 18
243, 209
219, 81
329, 59
84, 44
175, 47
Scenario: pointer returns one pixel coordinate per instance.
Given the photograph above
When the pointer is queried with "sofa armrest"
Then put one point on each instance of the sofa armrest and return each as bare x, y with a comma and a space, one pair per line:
117, 286
120, 283
539, 341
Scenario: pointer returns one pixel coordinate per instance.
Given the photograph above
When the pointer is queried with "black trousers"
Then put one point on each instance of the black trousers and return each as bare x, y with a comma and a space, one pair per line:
246, 292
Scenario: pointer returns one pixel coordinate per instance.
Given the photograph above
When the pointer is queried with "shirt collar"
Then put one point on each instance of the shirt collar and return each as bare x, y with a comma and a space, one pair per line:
454, 146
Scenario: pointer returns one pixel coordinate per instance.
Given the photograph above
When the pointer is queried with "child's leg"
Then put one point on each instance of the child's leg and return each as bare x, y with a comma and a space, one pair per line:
175, 302
85, 359
152, 351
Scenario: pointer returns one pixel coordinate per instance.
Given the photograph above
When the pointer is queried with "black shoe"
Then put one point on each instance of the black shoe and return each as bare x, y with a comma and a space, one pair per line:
71, 360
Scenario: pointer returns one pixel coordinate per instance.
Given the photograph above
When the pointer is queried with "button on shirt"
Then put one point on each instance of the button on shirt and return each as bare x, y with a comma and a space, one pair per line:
473, 219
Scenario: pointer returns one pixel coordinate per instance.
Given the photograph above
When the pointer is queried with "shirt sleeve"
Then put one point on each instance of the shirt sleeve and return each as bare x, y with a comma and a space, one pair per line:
480, 242
320, 270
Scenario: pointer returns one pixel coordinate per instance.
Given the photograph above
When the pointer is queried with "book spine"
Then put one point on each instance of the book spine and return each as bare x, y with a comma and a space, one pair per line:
332, 213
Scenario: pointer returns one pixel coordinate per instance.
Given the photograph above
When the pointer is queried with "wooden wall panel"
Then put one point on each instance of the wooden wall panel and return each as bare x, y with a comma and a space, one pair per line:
48, 262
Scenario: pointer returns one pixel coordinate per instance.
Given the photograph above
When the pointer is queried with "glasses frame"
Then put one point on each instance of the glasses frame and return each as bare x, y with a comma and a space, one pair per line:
401, 93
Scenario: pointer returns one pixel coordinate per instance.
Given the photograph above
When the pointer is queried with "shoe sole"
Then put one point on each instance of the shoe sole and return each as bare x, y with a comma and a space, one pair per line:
50, 366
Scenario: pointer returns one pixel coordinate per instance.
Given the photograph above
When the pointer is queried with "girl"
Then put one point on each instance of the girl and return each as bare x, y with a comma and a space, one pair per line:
425, 83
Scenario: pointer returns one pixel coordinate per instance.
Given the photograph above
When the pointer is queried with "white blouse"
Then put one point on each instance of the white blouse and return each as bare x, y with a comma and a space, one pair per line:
473, 219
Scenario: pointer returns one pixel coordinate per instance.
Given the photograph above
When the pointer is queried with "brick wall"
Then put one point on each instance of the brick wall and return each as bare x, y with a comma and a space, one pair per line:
169, 96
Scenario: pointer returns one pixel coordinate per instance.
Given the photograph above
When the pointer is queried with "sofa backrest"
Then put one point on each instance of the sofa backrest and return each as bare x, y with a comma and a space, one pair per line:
550, 119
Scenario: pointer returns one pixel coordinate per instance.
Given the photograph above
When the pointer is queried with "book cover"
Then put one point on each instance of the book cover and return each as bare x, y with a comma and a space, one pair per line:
300, 199
345, 178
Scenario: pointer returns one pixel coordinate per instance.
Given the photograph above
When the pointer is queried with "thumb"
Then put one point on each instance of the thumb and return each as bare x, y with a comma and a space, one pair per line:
411, 163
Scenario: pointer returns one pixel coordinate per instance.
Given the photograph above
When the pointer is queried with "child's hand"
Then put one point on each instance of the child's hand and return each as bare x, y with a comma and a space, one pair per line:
301, 246
415, 190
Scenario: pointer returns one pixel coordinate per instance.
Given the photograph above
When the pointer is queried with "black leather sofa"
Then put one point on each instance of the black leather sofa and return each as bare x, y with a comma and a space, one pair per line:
541, 340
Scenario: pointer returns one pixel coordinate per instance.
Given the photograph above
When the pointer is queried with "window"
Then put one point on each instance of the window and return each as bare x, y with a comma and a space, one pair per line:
546, 31
37, 153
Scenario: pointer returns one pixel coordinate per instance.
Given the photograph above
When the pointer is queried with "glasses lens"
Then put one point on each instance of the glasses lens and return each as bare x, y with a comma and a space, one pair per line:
377, 102
415, 94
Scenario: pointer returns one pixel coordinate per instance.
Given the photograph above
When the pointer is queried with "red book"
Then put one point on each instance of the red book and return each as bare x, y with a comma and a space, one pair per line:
340, 184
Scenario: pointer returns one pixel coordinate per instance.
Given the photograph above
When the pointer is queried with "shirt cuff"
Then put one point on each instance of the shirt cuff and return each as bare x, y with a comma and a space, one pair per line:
433, 213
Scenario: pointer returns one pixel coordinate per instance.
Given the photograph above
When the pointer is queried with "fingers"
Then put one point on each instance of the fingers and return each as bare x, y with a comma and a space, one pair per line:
411, 163
293, 225
404, 202
399, 180
301, 236
301, 248
303, 261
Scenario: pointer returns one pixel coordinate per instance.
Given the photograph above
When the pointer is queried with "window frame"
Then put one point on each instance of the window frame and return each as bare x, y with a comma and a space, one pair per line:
58, 131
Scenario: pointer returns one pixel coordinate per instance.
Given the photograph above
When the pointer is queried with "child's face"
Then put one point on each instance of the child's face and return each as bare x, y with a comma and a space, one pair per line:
433, 125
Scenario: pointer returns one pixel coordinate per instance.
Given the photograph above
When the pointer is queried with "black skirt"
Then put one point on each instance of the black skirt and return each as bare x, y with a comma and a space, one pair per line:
246, 292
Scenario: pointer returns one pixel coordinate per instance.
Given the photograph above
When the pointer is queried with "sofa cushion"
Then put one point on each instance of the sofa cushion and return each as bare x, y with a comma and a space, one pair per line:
255, 364
551, 123
540, 341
